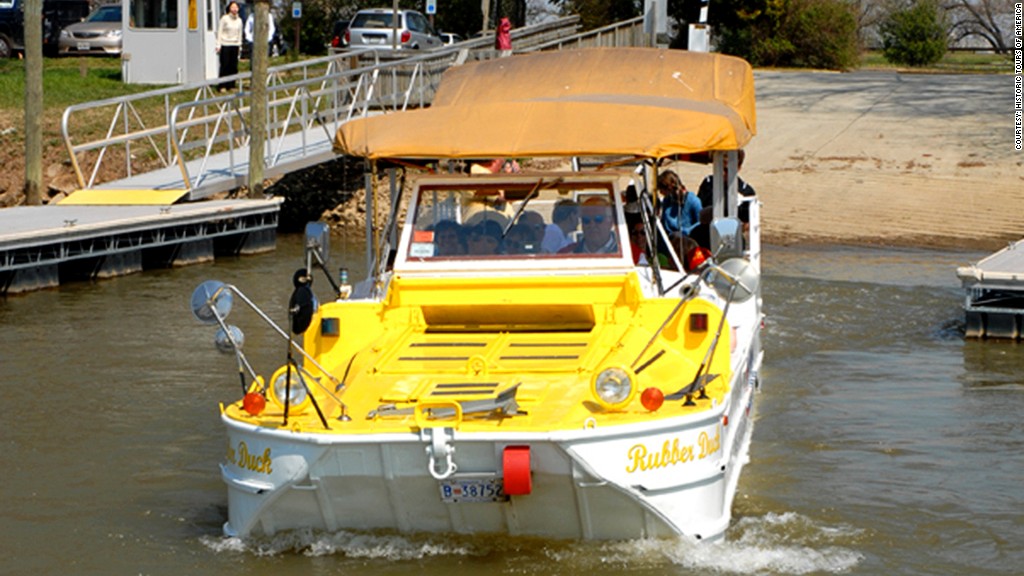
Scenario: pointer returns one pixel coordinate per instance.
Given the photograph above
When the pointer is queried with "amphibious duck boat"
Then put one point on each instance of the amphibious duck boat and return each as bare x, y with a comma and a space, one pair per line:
530, 353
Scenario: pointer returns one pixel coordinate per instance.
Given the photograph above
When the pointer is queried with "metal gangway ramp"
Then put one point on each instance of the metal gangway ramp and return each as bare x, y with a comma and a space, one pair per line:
191, 142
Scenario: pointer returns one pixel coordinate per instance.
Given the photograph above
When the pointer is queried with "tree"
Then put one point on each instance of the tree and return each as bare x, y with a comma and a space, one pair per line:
915, 35
823, 34
804, 33
598, 13
991, 20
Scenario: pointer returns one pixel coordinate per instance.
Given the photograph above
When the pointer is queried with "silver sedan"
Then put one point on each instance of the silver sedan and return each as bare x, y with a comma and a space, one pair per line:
99, 34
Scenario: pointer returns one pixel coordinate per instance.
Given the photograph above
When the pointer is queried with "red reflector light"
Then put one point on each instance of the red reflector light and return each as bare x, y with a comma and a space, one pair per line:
725, 420
254, 403
652, 398
699, 322
406, 36
695, 257
515, 462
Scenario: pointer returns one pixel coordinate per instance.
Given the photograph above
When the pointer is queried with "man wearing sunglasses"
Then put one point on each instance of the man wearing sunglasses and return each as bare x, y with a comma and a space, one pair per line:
598, 234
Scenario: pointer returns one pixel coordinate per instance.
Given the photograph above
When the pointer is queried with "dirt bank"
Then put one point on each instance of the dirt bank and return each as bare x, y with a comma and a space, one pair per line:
887, 158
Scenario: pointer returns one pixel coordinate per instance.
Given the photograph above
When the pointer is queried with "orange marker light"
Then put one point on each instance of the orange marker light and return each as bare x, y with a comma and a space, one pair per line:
652, 398
254, 403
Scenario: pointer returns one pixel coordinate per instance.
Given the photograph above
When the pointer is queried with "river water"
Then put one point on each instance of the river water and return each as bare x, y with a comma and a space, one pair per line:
885, 443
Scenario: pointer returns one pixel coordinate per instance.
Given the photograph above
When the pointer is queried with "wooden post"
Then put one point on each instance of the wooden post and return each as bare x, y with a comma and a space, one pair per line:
258, 105
33, 102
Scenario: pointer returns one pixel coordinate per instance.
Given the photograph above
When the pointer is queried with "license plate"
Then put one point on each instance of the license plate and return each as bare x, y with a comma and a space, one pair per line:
458, 491
83, 46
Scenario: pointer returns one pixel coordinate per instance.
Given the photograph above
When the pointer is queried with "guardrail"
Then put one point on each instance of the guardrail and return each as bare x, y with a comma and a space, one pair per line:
304, 112
183, 128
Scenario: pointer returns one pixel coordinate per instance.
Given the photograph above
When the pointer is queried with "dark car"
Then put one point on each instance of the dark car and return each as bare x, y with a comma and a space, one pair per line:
56, 15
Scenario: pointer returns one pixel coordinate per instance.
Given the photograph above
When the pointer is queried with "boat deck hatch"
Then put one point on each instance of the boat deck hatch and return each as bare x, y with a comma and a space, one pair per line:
509, 318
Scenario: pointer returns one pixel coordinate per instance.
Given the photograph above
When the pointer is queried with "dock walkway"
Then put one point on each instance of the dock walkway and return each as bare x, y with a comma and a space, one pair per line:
45, 246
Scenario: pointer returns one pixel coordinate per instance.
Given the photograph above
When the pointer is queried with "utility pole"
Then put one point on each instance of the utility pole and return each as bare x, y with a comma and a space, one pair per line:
33, 102
258, 101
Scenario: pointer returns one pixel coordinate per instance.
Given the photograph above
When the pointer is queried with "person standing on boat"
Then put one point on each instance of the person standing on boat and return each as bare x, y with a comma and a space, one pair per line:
229, 44
680, 208
706, 190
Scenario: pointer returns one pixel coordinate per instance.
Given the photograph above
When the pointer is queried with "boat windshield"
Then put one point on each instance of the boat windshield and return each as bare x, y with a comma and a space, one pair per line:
523, 220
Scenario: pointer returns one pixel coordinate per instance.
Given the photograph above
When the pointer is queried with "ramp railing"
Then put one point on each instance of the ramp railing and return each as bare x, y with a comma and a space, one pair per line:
202, 136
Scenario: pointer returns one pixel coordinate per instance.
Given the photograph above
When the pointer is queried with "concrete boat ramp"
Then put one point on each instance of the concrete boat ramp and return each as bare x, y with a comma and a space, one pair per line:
994, 303
45, 246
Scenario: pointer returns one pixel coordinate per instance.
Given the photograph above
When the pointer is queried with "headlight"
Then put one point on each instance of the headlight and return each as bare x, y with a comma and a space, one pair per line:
298, 399
613, 388
64, 34
114, 33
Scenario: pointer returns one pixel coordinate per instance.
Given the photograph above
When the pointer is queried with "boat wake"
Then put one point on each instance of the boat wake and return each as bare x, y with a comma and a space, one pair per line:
774, 543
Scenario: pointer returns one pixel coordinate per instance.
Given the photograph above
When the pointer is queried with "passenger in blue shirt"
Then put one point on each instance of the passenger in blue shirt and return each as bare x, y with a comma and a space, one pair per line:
680, 208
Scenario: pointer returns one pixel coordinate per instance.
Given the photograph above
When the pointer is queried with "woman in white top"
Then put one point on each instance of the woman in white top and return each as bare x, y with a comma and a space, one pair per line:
229, 44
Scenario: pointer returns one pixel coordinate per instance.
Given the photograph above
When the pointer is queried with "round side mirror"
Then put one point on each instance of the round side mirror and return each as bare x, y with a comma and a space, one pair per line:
211, 300
736, 272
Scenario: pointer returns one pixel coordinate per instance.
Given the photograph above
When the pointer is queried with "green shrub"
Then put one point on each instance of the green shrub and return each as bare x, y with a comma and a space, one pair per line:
803, 33
915, 35
823, 34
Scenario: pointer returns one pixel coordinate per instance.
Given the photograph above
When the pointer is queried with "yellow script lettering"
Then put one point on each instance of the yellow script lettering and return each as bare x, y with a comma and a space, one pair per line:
671, 454
253, 462
709, 445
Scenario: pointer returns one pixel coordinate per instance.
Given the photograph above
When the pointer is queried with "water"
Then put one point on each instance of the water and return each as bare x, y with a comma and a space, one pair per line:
885, 444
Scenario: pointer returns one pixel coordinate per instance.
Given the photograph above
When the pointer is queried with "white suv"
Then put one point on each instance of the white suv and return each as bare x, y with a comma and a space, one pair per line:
372, 28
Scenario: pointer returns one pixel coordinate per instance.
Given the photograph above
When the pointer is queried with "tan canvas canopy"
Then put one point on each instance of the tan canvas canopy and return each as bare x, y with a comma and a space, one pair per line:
591, 102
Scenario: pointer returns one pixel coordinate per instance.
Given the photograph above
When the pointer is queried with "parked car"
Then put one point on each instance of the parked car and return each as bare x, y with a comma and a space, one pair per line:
100, 34
372, 28
338, 36
56, 15
450, 38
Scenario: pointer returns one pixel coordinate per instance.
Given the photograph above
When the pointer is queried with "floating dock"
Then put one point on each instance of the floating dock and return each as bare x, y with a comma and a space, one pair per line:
46, 246
994, 304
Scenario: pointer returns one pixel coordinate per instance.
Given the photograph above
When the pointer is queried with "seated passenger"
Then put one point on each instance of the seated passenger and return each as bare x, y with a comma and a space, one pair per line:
637, 237
701, 234
684, 246
565, 218
449, 239
484, 239
521, 239
680, 208
536, 223
598, 232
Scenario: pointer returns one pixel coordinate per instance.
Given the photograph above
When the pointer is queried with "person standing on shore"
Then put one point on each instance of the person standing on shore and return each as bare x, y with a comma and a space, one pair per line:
250, 28
503, 38
229, 44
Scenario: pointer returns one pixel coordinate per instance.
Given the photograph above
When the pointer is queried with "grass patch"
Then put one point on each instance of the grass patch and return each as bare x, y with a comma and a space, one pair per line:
74, 80
66, 81
959, 62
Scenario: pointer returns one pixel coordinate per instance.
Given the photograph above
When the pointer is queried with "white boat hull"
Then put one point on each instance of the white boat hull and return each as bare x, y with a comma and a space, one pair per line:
670, 478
